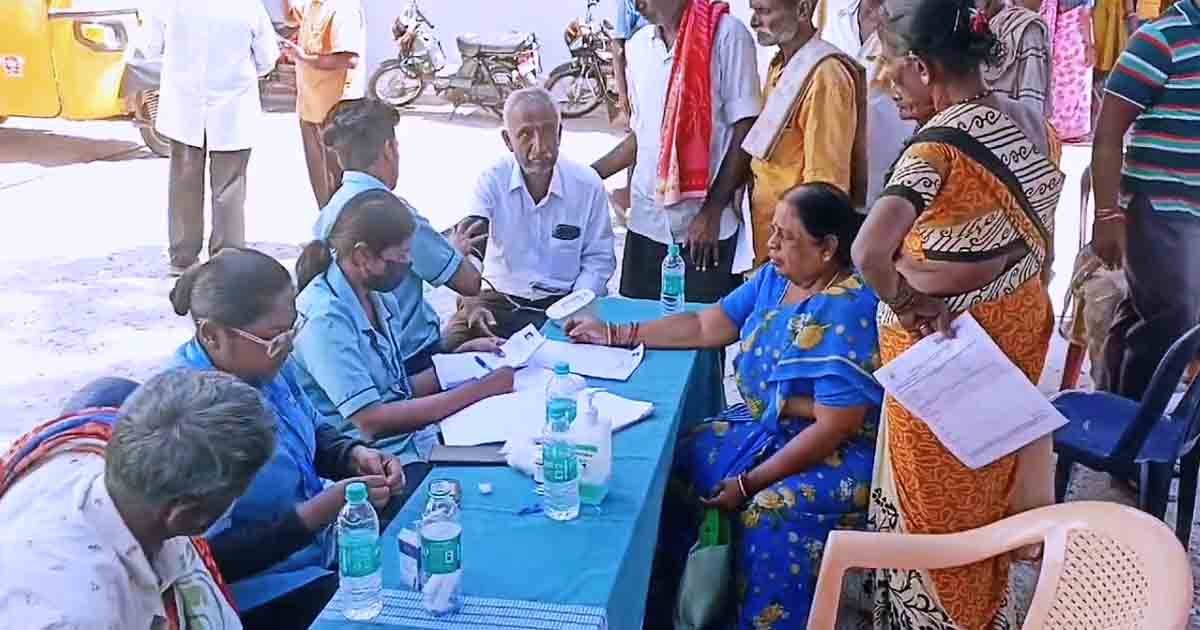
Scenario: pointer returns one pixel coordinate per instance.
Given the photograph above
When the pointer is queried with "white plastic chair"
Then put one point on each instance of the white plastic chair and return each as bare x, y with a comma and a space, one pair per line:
1105, 566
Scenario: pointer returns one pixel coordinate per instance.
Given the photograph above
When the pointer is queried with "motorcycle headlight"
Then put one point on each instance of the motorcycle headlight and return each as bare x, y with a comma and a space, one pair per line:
102, 36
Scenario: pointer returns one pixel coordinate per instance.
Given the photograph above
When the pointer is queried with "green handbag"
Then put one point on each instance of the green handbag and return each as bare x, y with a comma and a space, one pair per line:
707, 583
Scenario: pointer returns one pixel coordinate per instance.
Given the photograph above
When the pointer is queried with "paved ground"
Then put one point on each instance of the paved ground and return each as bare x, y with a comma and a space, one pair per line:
83, 289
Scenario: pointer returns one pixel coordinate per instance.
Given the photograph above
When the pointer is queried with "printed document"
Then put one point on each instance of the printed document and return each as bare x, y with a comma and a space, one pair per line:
614, 364
978, 404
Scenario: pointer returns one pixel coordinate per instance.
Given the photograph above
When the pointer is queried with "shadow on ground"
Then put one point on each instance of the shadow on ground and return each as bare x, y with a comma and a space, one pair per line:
49, 149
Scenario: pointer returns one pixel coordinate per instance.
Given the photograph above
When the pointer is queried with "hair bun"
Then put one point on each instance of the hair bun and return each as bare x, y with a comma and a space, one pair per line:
181, 293
952, 32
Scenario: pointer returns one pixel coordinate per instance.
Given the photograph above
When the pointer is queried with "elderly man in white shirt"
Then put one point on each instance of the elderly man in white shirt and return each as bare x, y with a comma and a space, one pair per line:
705, 222
213, 55
96, 508
549, 231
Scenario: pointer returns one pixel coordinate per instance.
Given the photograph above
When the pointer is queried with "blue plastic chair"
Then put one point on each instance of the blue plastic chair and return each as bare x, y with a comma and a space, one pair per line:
1132, 440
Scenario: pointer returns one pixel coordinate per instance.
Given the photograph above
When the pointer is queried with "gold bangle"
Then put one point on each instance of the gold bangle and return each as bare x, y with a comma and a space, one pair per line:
742, 486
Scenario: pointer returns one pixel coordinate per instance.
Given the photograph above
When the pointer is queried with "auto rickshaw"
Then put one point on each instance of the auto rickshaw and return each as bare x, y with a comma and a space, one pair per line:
60, 59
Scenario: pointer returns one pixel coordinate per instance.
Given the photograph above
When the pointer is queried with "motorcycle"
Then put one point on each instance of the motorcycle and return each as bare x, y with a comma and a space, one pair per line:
491, 69
279, 86
582, 84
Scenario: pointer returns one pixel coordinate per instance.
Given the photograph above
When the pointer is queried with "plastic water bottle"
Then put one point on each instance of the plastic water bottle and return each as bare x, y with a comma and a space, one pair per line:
359, 568
441, 555
560, 461
672, 296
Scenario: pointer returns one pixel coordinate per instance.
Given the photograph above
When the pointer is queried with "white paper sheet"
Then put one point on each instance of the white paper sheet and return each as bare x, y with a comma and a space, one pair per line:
521, 414
616, 364
455, 369
521, 346
978, 404
458, 368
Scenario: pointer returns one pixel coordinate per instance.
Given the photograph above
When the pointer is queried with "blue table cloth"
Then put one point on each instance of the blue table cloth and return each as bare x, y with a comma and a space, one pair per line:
602, 559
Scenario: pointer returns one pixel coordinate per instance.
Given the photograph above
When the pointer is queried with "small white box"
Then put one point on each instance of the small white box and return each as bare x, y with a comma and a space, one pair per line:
410, 559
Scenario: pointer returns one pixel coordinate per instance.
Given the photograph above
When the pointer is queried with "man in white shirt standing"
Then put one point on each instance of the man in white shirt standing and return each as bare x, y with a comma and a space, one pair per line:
213, 55
691, 200
549, 232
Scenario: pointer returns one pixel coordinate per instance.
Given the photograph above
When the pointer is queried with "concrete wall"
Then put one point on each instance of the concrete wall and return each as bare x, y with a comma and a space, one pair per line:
546, 18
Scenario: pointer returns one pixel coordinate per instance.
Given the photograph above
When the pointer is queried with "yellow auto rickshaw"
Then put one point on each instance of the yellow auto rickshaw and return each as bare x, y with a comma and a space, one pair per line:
64, 59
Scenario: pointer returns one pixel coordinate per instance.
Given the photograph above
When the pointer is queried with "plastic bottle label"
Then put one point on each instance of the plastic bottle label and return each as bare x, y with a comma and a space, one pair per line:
672, 284
561, 411
358, 554
439, 557
559, 463
585, 453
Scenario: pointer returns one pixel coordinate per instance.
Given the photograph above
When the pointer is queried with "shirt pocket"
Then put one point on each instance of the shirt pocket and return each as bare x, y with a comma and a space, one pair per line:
566, 244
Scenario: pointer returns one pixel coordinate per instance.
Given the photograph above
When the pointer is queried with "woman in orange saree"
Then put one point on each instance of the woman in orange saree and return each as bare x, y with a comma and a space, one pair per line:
964, 225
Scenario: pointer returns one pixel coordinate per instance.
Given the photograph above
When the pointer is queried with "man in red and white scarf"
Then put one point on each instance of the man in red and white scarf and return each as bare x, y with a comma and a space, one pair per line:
694, 91
98, 507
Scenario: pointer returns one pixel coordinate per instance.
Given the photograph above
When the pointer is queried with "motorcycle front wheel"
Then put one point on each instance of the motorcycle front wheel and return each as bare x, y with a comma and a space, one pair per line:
147, 114
577, 89
395, 85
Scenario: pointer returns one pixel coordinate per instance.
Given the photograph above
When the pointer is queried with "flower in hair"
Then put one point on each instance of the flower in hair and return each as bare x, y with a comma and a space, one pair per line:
979, 22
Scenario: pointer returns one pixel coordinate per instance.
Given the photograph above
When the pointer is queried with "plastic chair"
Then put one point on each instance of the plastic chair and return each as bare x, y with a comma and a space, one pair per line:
1105, 566
1132, 440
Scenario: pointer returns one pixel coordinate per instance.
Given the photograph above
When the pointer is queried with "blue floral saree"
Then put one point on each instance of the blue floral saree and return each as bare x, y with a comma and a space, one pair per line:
826, 348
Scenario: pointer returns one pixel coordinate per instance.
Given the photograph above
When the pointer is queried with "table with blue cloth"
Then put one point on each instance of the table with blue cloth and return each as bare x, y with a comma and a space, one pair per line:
596, 567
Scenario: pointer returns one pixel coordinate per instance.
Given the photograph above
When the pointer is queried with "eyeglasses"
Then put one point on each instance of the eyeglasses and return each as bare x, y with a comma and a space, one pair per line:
279, 344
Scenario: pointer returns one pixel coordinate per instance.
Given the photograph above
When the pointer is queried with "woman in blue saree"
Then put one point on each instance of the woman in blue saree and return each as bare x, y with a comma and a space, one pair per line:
793, 461
275, 545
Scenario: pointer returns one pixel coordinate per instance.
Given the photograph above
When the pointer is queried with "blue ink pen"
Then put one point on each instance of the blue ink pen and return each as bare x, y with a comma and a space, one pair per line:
483, 364
533, 509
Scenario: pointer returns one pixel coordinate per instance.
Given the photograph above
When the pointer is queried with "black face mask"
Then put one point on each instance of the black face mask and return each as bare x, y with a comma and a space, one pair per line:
394, 274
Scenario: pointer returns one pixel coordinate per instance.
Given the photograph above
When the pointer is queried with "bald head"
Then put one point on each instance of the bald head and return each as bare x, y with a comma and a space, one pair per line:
532, 129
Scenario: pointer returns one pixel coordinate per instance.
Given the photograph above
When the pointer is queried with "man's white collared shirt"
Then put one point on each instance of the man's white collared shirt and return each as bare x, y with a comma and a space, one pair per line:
563, 243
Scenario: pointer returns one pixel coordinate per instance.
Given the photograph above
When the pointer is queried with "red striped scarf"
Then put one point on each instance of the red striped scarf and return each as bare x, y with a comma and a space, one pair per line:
684, 159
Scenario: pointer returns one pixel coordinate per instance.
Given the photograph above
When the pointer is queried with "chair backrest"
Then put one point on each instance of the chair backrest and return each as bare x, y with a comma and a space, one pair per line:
1158, 394
1105, 566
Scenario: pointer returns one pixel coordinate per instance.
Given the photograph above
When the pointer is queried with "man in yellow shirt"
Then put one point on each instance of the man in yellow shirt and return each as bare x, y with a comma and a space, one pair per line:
329, 68
812, 127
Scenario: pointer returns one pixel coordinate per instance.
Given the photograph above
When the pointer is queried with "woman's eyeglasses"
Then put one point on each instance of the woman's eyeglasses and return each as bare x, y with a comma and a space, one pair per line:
279, 344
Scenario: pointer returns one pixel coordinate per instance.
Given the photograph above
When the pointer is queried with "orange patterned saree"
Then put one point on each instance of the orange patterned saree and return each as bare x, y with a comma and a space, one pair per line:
982, 191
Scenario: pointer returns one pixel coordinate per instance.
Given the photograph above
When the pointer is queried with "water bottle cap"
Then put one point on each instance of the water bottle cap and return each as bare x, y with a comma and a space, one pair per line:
356, 492
673, 249
562, 368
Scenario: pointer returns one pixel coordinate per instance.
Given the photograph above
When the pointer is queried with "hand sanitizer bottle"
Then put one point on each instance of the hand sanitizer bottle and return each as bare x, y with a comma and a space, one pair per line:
593, 442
